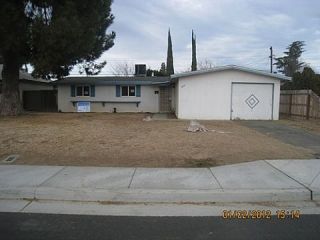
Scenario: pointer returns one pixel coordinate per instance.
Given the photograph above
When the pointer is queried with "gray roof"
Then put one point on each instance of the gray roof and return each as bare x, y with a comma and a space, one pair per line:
232, 67
25, 76
114, 80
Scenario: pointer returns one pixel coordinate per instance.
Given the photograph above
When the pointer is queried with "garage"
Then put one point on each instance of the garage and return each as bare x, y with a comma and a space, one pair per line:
252, 101
227, 93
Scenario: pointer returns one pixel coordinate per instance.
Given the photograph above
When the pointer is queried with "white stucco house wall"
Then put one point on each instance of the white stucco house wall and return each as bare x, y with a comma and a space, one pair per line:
111, 94
227, 93
222, 93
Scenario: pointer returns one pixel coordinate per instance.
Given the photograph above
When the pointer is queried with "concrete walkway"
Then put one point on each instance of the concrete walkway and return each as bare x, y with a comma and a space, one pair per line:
259, 181
163, 116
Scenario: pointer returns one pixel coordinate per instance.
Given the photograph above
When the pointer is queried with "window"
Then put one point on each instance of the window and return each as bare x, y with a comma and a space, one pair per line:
124, 91
86, 91
128, 91
83, 91
132, 90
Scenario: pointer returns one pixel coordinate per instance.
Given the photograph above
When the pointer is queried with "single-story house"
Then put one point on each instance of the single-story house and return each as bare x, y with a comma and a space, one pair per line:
34, 92
113, 94
227, 93
222, 93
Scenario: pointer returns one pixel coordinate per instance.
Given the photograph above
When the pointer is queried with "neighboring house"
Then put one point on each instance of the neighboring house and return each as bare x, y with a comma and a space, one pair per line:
112, 94
32, 90
229, 92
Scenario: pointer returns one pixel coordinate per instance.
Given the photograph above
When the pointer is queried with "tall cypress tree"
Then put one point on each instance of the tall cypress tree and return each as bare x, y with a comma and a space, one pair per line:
170, 69
194, 53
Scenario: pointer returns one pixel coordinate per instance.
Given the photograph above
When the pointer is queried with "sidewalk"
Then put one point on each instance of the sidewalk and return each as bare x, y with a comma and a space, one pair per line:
259, 181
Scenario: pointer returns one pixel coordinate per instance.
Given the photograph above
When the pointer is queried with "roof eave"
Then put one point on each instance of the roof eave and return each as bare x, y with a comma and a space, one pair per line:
109, 81
231, 67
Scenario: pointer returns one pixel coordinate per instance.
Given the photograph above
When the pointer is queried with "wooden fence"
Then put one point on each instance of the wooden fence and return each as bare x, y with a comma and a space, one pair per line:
300, 103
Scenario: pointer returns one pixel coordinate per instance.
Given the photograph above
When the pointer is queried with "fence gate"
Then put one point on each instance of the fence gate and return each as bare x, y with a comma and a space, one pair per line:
165, 99
41, 101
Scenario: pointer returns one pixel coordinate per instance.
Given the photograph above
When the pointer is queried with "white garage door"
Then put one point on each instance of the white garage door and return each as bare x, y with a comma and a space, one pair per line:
252, 101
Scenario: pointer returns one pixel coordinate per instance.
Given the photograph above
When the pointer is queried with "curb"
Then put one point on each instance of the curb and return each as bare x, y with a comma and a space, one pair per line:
157, 195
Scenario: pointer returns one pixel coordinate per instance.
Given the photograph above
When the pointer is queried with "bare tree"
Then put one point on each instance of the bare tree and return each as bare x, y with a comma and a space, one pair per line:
122, 69
205, 64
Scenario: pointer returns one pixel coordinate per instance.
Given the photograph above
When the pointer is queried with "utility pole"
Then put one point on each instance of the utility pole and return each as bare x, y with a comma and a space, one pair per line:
271, 59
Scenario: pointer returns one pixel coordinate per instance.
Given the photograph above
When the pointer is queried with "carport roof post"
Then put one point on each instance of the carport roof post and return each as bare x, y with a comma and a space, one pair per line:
232, 67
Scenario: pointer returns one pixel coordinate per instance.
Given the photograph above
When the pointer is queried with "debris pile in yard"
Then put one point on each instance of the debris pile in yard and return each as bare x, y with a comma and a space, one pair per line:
196, 127
147, 118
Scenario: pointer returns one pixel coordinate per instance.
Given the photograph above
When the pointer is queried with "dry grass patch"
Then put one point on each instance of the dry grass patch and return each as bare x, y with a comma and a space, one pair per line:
125, 140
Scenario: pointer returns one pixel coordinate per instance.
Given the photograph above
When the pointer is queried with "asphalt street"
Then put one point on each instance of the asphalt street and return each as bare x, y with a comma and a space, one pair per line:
84, 227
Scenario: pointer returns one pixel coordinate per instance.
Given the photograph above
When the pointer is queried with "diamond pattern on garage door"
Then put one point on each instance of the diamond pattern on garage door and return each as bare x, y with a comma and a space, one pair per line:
252, 101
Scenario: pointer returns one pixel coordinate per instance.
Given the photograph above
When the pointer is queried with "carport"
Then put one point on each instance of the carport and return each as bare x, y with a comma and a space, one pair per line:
40, 100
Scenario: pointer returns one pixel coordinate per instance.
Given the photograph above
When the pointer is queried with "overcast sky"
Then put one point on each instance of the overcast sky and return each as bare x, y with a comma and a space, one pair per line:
228, 31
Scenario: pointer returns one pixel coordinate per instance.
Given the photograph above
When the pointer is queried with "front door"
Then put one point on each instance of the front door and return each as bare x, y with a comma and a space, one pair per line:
165, 99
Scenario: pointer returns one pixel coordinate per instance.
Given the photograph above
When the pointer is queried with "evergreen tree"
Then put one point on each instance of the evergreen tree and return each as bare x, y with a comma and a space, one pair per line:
194, 53
289, 64
52, 36
163, 69
91, 68
170, 69
158, 73
307, 79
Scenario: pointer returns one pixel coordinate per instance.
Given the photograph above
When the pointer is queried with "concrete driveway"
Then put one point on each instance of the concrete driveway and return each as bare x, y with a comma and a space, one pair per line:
287, 134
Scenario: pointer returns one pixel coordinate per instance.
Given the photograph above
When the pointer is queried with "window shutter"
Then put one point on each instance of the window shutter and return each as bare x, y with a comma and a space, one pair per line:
72, 90
117, 90
93, 91
138, 91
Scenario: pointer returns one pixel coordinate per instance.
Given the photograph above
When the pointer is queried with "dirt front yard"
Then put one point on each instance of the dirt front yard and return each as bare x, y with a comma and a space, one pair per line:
125, 140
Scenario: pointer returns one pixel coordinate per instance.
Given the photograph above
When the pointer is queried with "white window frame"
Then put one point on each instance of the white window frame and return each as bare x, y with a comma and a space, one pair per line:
135, 90
83, 91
